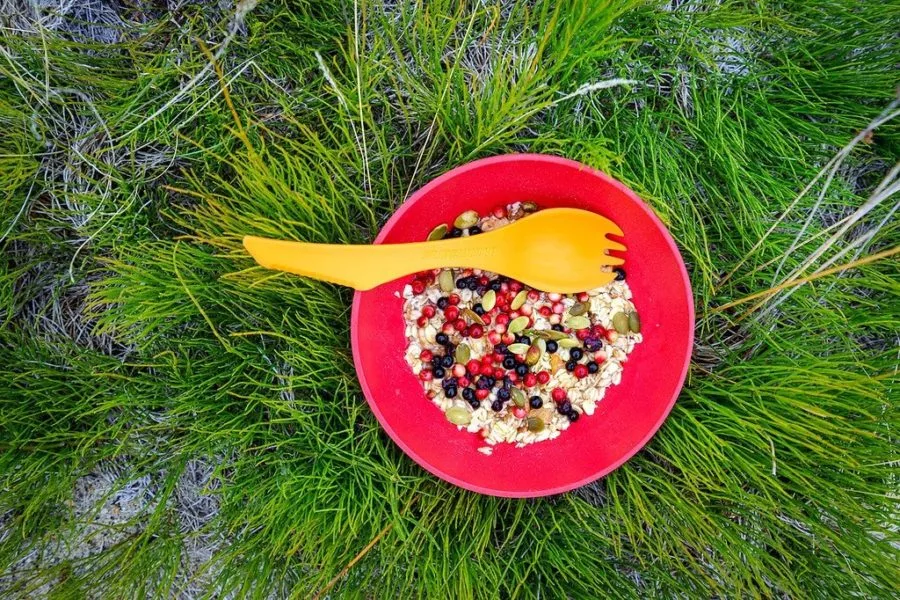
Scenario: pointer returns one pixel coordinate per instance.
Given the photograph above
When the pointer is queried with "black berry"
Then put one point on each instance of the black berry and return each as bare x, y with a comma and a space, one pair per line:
522, 370
442, 338
576, 353
496, 406
564, 408
509, 362
443, 302
552, 347
478, 309
570, 366
593, 367
474, 403
450, 392
474, 230
535, 402
447, 361
468, 394
501, 347
496, 284
438, 372
620, 273
556, 327
456, 232
573, 416
472, 284
503, 394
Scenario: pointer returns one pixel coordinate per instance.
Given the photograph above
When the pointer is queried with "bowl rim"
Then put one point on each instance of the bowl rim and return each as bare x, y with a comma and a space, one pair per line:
398, 214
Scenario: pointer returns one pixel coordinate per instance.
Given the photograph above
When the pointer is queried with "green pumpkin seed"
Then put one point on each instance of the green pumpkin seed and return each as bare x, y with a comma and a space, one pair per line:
620, 322
462, 354
518, 397
489, 300
555, 335
533, 355
519, 300
541, 344
534, 424
518, 348
517, 324
472, 316
529, 207
466, 219
578, 322
634, 322
458, 415
578, 309
438, 232
445, 280
568, 343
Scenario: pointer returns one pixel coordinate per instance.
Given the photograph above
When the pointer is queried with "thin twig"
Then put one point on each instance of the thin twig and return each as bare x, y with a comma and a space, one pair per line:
801, 281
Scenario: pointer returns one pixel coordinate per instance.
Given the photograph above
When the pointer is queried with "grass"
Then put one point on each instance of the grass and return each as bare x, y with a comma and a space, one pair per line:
139, 342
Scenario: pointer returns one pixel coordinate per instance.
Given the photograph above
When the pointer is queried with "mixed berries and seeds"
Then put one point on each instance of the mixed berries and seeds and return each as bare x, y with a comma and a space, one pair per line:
508, 362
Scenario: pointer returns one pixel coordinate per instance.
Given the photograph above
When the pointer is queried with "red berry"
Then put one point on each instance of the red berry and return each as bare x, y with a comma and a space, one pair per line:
583, 297
502, 319
543, 377
460, 325
447, 327
533, 295
487, 370
483, 280
502, 301
599, 358
497, 357
428, 311
459, 370
520, 358
498, 373
494, 338
418, 286
504, 287
508, 338
426, 355
486, 360
463, 382
519, 412
526, 309
422, 321
583, 334
482, 394
554, 297
515, 286
558, 308
499, 212
545, 311
425, 375
451, 313
473, 366
476, 331
581, 371
558, 394
530, 380
513, 376
599, 331
515, 314
453, 299
486, 319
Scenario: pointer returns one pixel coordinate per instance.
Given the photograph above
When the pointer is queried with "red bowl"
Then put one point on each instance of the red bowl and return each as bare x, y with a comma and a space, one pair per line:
630, 413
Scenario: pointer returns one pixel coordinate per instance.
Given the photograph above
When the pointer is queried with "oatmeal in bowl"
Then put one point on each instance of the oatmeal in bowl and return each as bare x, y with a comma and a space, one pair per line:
507, 362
